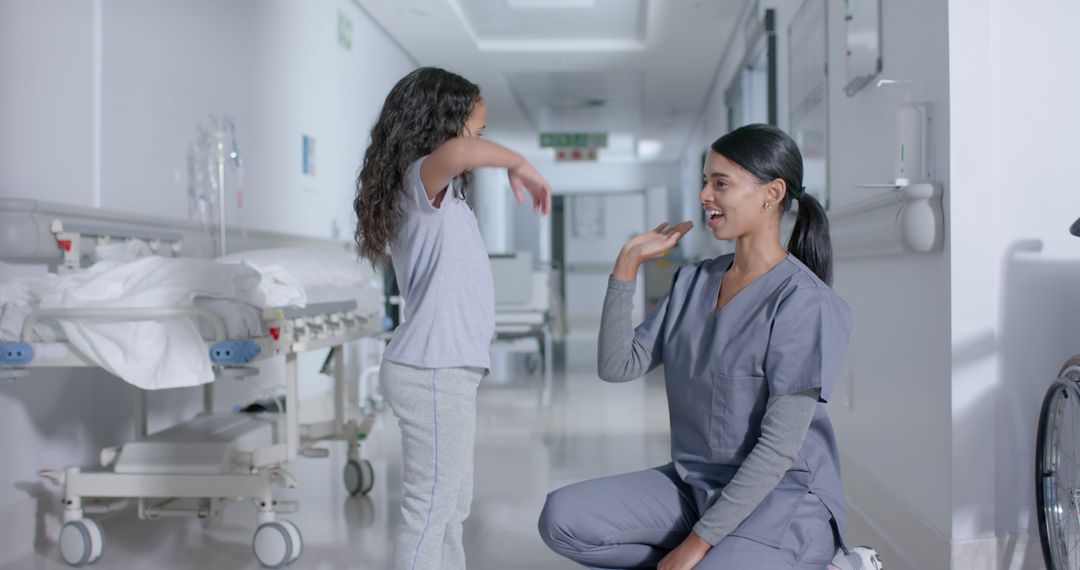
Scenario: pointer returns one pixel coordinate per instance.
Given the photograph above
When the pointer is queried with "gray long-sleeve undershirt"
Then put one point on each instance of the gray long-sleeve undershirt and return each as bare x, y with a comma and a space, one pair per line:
787, 418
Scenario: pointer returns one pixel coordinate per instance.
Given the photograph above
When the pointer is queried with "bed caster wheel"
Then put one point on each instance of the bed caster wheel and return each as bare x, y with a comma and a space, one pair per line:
277, 544
297, 540
532, 363
359, 477
81, 542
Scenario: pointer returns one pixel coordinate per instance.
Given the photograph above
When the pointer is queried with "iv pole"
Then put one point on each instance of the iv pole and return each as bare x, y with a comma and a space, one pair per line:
227, 130
220, 136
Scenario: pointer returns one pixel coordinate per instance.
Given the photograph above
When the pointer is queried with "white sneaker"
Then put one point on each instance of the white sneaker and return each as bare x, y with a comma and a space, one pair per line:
858, 558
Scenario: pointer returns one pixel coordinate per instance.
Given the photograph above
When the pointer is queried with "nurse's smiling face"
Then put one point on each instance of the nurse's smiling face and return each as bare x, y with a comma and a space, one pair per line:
735, 200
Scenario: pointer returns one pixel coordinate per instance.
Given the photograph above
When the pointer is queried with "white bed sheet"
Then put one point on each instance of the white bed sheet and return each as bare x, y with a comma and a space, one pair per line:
171, 353
168, 353
323, 274
311, 267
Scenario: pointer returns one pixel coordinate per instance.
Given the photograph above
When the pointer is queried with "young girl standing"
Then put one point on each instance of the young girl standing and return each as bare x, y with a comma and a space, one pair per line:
410, 200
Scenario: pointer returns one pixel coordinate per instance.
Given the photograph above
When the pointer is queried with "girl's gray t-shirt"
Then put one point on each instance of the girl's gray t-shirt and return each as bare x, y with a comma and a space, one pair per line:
444, 274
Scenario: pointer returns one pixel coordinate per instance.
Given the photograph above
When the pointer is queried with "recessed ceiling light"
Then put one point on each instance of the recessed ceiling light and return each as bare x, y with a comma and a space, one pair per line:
648, 149
550, 4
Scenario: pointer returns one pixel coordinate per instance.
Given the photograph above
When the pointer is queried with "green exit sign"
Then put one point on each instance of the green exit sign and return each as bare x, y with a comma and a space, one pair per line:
573, 140
344, 31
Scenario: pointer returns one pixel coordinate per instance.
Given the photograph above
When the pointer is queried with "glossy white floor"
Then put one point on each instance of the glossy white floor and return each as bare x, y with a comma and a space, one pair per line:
522, 452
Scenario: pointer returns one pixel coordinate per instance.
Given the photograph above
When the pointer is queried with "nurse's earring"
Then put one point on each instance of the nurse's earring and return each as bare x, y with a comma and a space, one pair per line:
766, 206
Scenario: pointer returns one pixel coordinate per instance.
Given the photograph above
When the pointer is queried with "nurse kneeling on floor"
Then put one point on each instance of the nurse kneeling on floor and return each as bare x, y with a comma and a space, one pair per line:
752, 344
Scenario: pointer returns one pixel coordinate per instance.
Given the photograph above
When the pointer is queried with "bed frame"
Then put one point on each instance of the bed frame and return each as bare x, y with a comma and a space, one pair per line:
239, 468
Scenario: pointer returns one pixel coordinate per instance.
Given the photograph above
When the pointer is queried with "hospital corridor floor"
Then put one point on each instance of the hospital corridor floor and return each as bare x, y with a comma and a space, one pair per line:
523, 451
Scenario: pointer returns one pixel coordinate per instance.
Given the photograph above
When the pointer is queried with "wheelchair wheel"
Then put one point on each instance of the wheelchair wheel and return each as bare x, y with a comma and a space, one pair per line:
1057, 470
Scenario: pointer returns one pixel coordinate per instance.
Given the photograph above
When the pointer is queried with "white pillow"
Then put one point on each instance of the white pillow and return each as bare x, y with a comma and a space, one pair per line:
312, 266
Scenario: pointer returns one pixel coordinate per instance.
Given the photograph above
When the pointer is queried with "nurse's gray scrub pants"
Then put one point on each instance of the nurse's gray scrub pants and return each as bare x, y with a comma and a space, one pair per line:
784, 333
633, 520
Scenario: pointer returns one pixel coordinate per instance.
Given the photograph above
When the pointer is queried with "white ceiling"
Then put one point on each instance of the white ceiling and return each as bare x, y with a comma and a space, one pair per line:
498, 20
636, 69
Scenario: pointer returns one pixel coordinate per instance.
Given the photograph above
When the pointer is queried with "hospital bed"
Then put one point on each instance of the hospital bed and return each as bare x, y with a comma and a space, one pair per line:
192, 468
526, 312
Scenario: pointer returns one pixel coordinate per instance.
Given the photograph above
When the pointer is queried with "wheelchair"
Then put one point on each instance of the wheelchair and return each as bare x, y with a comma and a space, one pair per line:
1057, 466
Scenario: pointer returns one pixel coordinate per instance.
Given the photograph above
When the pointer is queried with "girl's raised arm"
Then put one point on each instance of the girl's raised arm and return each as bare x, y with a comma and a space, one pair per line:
459, 154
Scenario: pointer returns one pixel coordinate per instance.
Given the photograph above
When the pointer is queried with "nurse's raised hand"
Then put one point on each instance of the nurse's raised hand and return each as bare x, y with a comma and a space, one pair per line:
646, 246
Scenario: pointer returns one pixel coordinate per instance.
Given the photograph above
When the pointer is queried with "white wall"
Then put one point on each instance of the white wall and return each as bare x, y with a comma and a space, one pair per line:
275, 65
47, 100
1013, 122
157, 84
894, 439
589, 259
310, 85
162, 67
660, 178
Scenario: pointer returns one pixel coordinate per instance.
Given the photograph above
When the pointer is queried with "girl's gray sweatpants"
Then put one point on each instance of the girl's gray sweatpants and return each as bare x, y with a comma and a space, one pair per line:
436, 409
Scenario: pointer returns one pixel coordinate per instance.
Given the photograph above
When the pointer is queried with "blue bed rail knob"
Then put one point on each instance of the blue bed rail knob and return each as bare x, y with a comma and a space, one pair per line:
16, 353
234, 352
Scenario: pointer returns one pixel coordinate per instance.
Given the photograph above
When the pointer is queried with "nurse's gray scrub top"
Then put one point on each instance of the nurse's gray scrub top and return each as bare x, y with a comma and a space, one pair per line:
784, 333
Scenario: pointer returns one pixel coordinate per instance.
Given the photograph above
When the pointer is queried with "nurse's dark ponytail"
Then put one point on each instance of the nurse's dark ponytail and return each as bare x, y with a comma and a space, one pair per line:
769, 153
810, 240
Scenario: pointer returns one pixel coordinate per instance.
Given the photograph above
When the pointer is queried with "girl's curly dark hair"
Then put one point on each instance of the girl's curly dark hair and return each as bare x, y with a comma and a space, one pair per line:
425, 109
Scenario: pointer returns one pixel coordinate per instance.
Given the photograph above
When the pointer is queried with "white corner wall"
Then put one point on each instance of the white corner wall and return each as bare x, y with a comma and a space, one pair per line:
1015, 269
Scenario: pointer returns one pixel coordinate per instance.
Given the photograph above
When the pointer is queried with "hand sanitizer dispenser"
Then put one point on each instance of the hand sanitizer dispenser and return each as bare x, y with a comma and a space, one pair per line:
910, 147
910, 153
